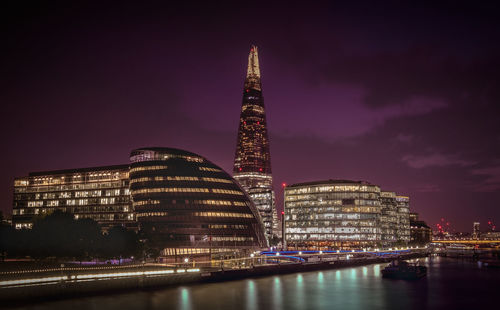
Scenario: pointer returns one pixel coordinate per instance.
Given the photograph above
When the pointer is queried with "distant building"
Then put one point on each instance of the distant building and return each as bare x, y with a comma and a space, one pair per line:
420, 232
403, 219
252, 162
388, 218
98, 193
278, 230
332, 214
476, 233
491, 235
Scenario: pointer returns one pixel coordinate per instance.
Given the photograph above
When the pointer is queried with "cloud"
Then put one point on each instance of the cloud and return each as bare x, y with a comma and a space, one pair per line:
435, 160
491, 183
428, 188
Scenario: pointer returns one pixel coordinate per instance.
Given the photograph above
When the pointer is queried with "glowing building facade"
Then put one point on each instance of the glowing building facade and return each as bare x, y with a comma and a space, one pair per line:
182, 203
332, 214
388, 218
99, 193
343, 214
191, 207
403, 216
252, 163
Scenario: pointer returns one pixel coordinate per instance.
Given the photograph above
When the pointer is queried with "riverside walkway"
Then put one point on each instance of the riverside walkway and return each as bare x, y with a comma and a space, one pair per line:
31, 285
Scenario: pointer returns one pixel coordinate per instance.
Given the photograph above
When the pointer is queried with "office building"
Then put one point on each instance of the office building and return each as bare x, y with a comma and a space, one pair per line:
98, 193
338, 214
388, 218
476, 233
420, 232
403, 219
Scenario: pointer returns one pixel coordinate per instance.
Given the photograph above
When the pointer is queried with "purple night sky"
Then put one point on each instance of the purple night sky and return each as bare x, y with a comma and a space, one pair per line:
405, 97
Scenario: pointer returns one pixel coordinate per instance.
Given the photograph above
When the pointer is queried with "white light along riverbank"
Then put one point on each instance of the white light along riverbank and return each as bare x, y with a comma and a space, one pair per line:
22, 287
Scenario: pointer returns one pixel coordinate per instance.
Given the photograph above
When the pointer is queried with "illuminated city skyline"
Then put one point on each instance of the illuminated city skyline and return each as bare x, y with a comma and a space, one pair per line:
366, 92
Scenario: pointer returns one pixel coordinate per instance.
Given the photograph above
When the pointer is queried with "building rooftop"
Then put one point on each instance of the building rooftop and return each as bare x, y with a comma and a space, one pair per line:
165, 150
78, 170
329, 182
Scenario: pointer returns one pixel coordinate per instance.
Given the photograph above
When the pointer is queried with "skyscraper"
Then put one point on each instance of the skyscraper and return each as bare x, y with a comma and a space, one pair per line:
252, 162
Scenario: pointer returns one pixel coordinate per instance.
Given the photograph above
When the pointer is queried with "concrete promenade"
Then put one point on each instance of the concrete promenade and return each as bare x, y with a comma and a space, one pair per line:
23, 287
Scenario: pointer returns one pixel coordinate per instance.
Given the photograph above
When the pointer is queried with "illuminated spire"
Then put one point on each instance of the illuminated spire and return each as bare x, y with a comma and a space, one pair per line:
253, 63
253, 71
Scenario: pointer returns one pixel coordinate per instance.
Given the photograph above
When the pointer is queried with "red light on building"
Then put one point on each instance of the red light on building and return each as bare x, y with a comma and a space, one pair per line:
260, 169
247, 90
283, 184
241, 169
258, 123
282, 212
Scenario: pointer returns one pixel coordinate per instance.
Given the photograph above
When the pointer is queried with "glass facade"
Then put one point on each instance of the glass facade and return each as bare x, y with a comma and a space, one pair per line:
252, 163
388, 218
190, 206
342, 214
332, 214
403, 215
100, 193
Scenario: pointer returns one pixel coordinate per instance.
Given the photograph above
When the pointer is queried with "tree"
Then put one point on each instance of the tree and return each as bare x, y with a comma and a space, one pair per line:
60, 235
121, 242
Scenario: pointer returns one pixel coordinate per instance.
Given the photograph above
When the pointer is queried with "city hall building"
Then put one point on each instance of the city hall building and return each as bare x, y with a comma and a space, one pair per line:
191, 206
343, 214
183, 202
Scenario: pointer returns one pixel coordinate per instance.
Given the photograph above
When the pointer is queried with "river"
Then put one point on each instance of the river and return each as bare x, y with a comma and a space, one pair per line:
450, 284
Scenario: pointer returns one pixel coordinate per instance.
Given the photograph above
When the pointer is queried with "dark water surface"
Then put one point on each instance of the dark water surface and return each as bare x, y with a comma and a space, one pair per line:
450, 284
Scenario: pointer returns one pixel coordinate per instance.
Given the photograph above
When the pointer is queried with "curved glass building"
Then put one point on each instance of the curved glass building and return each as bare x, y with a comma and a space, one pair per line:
190, 207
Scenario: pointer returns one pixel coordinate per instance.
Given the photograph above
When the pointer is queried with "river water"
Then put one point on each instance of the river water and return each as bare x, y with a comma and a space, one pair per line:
450, 284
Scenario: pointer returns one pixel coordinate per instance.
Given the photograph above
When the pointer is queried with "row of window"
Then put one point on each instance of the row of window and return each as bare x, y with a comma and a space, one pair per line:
90, 177
332, 197
70, 187
179, 178
185, 190
234, 238
209, 169
332, 237
69, 194
77, 202
191, 251
91, 209
223, 214
142, 214
333, 188
348, 230
148, 168
204, 214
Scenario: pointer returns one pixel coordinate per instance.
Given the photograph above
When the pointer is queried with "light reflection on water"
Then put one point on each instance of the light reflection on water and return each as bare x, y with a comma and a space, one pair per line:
277, 302
251, 295
185, 299
450, 283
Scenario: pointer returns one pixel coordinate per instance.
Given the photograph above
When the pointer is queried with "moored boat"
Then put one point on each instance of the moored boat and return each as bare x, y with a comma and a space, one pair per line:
400, 269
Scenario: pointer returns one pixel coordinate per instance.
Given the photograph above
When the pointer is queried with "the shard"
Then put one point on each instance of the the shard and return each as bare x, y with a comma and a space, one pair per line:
252, 162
